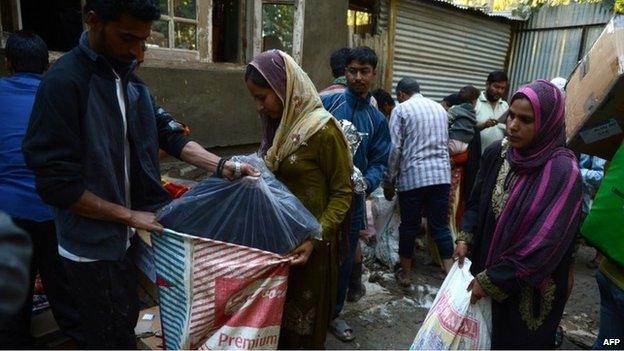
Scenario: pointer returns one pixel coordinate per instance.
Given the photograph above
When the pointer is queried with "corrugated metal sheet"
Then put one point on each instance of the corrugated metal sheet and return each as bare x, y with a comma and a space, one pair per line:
550, 43
445, 49
574, 14
382, 21
592, 35
544, 54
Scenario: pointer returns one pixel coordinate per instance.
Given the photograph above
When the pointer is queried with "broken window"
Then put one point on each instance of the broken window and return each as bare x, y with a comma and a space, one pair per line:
198, 30
188, 30
277, 26
57, 22
227, 28
362, 17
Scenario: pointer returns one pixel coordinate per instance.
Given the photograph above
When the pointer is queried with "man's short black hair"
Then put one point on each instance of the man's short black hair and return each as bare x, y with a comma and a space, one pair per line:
27, 53
111, 10
364, 55
452, 100
408, 86
496, 77
383, 97
469, 93
338, 62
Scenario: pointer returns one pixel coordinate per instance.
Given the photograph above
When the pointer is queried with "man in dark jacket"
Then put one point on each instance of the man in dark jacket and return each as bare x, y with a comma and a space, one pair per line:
463, 120
93, 143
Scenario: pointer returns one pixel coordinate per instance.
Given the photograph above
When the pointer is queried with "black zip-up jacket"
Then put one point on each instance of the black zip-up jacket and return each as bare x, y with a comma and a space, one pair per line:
75, 143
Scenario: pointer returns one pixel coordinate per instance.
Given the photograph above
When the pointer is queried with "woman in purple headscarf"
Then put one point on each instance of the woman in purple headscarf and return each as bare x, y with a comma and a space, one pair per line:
303, 145
521, 221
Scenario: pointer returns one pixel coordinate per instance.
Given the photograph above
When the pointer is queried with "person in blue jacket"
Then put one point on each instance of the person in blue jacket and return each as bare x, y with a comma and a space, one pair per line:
27, 60
371, 158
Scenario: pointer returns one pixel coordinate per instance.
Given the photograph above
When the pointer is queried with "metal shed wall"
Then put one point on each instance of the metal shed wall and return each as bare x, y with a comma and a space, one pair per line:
553, 40
446, 48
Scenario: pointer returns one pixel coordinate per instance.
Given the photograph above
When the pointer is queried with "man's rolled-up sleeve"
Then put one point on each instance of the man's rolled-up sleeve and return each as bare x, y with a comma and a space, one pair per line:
171, 137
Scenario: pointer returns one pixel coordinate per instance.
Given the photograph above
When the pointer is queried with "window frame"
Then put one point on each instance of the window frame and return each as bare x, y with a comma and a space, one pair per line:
204, 35
298, 25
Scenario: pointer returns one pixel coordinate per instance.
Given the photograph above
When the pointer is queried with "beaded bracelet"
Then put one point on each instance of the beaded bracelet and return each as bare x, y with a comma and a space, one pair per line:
220, 165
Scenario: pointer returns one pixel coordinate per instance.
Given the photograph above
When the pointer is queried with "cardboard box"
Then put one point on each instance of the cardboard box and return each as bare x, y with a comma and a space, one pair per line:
595, 96
148, 329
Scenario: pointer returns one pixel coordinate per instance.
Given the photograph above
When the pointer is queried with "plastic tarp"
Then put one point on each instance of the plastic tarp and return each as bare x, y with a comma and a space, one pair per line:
258, 212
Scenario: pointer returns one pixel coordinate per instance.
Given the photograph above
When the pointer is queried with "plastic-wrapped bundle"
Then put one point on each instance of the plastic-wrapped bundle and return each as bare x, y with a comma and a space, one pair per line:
355, 139
258, 212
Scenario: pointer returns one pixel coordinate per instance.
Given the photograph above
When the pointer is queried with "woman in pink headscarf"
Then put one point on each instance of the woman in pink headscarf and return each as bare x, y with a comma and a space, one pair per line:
521, 220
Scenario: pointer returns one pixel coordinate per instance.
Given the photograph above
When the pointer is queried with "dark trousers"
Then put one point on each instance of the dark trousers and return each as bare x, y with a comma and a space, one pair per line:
45, 260
435, 200
357, 223
106, 297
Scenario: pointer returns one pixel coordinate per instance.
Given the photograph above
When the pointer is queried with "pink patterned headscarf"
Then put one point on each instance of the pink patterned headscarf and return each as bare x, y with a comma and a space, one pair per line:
549, 110
541, 215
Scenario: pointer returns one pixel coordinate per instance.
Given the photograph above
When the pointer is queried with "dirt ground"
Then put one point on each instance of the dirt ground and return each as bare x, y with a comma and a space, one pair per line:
389, 317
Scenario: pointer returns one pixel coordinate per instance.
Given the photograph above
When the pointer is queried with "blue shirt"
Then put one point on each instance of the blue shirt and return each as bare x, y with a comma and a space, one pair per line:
17, 182
592, 172
372, 155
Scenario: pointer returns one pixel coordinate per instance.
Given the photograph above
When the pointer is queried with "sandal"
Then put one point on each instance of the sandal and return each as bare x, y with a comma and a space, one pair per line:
403, 281
341, 330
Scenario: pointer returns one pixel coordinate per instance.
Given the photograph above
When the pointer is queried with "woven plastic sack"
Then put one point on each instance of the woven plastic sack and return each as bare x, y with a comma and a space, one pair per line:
258, 212
452, 322
603, 226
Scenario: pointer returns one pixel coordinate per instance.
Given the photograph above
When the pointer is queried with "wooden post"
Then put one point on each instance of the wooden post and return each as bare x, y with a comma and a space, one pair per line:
392, 19
298, 30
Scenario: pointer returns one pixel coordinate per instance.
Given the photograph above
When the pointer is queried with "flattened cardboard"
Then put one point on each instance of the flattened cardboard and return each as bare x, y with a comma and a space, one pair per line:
595, 93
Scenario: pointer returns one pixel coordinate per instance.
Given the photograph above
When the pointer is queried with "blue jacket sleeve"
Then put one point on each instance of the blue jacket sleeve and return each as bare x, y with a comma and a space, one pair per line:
592, 171
378, 154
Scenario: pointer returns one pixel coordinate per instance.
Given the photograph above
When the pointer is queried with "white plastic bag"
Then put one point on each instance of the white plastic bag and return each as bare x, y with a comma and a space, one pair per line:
452, 322
387, 219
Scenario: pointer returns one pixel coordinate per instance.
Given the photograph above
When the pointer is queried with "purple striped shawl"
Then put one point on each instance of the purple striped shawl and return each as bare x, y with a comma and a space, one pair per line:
541, 215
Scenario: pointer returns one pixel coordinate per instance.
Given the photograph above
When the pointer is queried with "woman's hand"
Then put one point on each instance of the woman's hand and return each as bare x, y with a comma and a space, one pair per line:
461, 250
477, 291
301, 254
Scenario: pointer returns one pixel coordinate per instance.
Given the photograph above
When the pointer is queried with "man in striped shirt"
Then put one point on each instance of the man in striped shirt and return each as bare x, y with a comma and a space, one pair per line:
419, 169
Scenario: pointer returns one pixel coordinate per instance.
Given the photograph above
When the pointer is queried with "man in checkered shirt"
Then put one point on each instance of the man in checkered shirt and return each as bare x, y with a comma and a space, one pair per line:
419, 170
